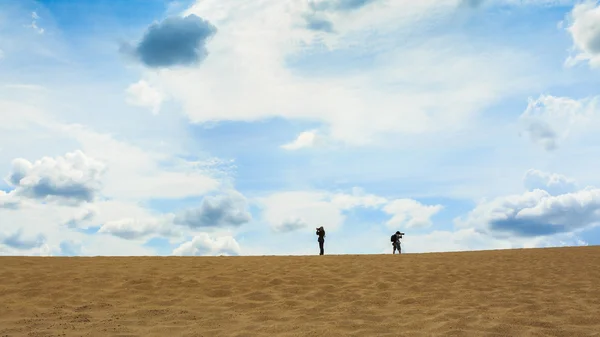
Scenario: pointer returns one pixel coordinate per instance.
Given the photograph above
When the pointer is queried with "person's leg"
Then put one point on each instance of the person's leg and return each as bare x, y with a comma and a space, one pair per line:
321, 248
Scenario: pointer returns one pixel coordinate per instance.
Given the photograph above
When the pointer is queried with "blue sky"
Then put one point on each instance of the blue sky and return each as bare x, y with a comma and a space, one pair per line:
230, 127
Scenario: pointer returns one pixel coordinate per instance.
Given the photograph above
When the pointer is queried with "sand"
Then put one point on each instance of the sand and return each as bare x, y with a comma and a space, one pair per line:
528, 292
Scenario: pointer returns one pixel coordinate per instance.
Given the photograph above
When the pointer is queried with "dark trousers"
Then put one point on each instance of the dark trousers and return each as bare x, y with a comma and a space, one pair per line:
321, 243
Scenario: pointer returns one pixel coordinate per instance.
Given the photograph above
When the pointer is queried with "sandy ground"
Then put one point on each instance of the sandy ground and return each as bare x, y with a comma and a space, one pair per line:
533, 292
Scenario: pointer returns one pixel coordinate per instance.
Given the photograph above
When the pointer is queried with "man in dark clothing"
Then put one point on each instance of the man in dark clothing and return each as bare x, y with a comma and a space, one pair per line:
321, 235
396, 242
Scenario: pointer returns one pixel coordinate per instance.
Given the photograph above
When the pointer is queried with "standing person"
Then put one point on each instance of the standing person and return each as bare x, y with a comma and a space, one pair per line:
396, 242
321, 235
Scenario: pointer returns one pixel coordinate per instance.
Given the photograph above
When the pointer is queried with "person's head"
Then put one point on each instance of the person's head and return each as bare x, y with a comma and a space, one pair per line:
397, 232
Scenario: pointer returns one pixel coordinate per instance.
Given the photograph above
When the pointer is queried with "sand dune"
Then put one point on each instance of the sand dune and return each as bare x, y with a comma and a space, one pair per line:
533, 292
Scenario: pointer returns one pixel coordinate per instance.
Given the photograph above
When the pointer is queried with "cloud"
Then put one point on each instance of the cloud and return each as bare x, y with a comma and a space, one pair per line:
448, 86
314, 208
136, 228
17, 241
472, 3
469, 239
305, 139
357, 198
560, 240
8, 200
204, 244
35, 17
550, 120
176, 41
294, 210
552, 183
585, 31
71, 248
73, 177
409, 213
541, 133
229, 209
339, 5
136, 173
317, 23
291, 224
83, 216
144, 95
535, 213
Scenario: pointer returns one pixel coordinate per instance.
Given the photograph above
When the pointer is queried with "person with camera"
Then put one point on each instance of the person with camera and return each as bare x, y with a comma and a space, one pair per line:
396, 242
321, 235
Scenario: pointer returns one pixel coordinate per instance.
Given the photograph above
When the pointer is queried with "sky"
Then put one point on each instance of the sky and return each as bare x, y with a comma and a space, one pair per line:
236, 127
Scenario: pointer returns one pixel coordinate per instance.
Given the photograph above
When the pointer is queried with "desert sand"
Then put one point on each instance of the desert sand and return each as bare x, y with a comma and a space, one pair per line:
526, 292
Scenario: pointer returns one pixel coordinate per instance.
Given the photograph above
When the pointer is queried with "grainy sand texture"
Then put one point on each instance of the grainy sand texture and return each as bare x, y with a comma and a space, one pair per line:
529, 292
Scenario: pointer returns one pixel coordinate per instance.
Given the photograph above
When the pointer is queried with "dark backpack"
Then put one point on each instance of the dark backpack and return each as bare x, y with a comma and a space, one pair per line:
393, 238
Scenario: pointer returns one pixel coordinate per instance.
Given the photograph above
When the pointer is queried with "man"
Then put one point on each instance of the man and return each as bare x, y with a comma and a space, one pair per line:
321, 235
396, 242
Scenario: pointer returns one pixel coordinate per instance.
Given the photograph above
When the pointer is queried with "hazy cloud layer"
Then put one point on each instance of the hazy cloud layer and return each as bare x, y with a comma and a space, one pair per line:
18, 241
204, 244
553, 183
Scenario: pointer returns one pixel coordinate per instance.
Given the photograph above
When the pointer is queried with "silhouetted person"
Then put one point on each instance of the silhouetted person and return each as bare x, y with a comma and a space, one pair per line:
396, 242
321, 235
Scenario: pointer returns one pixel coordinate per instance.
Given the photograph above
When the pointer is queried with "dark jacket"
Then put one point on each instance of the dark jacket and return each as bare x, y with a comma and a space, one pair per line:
321, 235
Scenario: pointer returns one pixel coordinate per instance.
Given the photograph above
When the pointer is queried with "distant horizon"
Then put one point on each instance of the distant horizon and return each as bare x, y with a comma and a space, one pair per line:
219, 127
305, 255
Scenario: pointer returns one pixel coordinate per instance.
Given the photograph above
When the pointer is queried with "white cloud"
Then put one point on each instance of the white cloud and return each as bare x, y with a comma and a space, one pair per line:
18, 241
73, 177
560, 240
143, 94
552, 183
585, 32
535, 213
140, 228
294, 210
227, 209
305, 139
82, 217
288, 211
20, 86
205, 244
136, 173
357, 198
445, 85
313, 209
471, 239
51, 221
291, 224
35, 17
409, 213
550, 120
451, 241
8, 200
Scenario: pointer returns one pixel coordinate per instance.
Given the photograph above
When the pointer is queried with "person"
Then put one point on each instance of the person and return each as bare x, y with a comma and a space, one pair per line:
396, 242
321, 235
